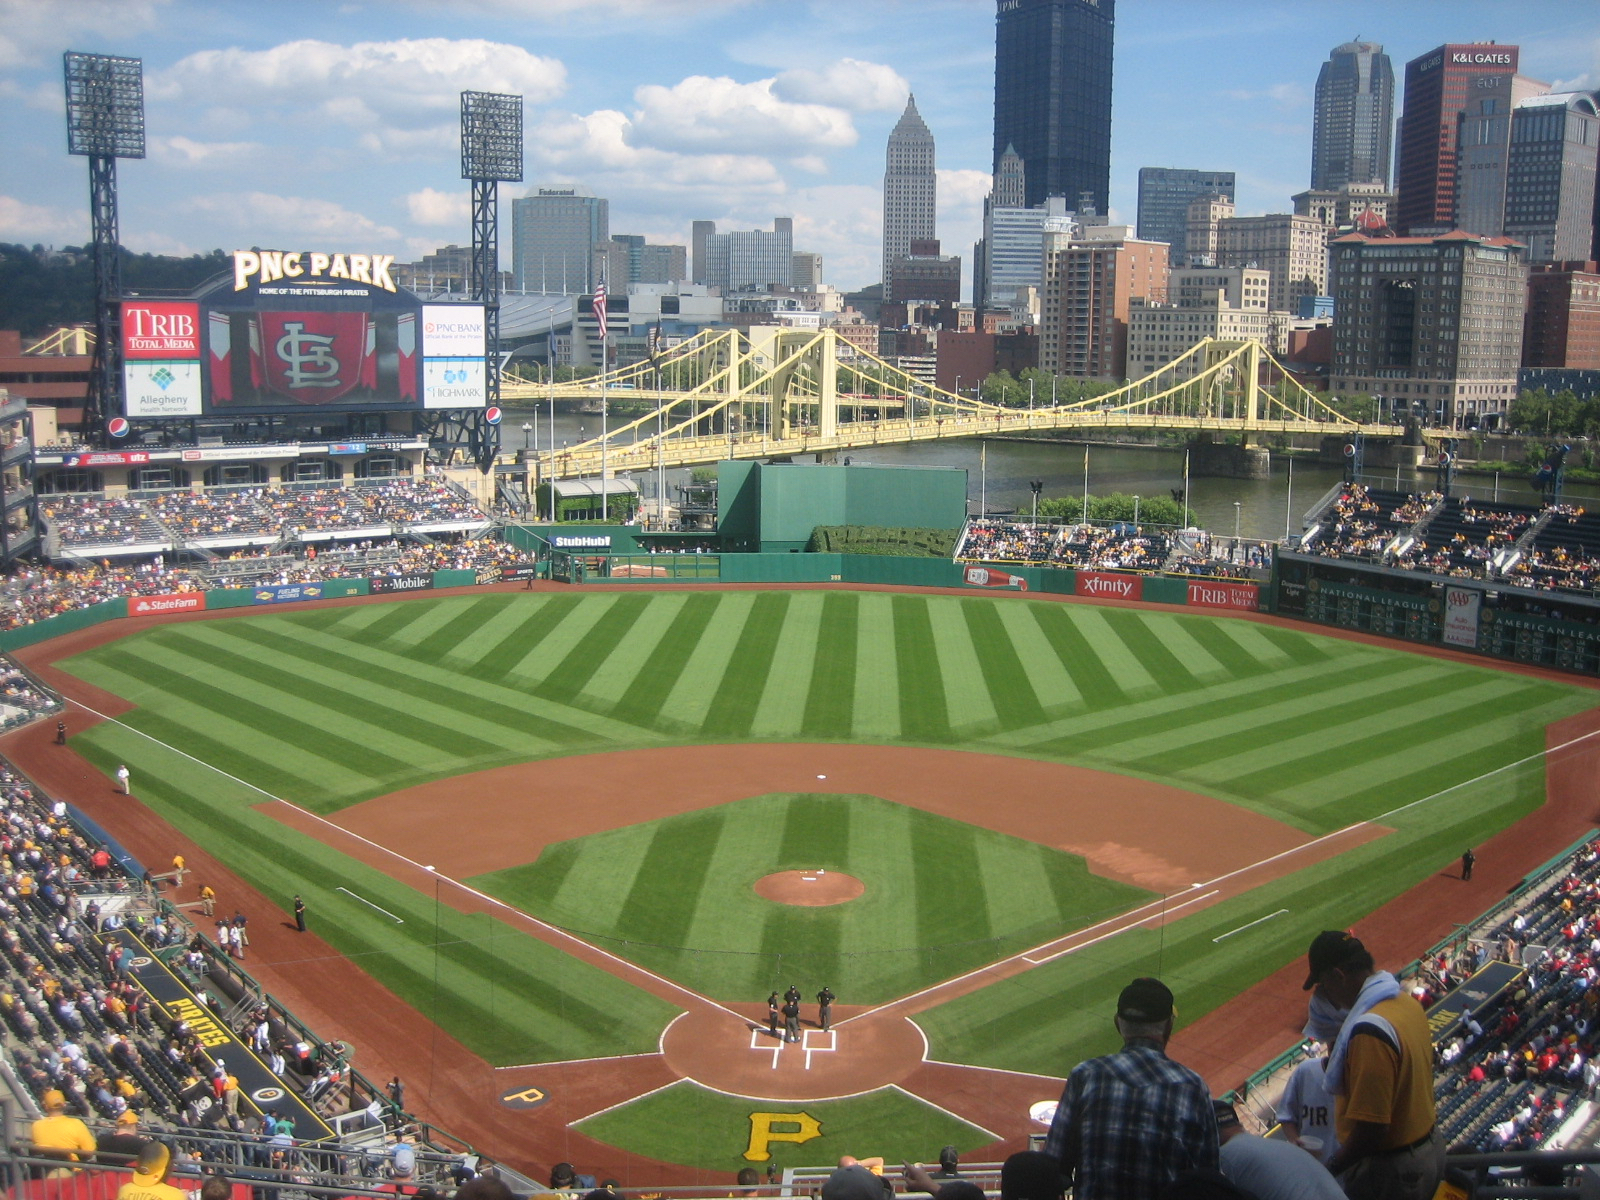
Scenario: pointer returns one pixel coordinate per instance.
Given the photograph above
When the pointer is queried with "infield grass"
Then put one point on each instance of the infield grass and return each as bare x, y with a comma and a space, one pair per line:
942, 897
330, 707
688, 1124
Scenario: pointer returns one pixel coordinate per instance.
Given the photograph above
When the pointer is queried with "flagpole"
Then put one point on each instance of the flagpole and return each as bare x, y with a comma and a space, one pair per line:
1186, 488
1288, 505
600, 312
983, 479
1086, 485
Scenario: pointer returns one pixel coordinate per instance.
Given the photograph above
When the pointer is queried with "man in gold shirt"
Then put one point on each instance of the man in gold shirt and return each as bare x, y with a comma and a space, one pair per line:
56, 1135
1380, 1073
149, 1180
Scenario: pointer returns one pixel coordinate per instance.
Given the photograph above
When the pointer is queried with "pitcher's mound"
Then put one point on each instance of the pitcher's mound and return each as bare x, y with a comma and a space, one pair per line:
810, 889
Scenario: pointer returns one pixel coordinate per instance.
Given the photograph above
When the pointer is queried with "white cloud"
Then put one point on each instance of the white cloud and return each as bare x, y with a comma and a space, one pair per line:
1282, 95
597, 148
433, 207
186, 152
848, 83
290, 221
402, 94
702, 113
31, 29
29, 223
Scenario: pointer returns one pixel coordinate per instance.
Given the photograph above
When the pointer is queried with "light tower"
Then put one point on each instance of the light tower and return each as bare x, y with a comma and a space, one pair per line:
491, 151
105, 122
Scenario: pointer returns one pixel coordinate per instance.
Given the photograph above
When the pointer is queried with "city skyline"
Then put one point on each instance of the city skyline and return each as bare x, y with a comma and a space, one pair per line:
732, 110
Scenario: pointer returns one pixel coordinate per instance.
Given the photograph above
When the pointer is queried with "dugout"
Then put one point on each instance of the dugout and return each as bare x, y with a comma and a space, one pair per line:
772, 508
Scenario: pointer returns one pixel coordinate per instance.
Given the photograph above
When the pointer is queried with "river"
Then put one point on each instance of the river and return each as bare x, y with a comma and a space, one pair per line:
1266, 508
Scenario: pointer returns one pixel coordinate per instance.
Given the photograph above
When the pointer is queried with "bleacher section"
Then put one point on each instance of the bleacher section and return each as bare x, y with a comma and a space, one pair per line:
1118, 547
110, 996
146, 523
1367, 523
1564, 552
1470, 539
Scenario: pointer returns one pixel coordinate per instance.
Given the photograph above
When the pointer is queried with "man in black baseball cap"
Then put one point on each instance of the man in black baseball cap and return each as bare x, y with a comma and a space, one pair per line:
1129, 1122
1379, 1071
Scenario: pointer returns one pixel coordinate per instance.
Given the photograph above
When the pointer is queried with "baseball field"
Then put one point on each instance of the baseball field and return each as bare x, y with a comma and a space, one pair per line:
581, 825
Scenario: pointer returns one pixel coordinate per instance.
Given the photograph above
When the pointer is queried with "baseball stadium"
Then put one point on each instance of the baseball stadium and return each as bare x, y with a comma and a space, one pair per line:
827, 819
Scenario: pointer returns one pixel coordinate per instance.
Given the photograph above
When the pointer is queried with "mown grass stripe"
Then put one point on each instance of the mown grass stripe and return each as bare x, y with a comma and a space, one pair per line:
937, 854
1317, 720
395, 618
734, 706
681, 851
830, 699
1007, 679
433, 615
689, 703
344, 752
1095, 620
875, 715
1300, 647
466, 622
572, 674
496, 659
1052, 684
1161, 714
781, 708
924, 716
383, 722
519, 719
968, 704
663, 666
1172, 634
1437, 720
1228, 652
621, 665
1094, 681
217, 746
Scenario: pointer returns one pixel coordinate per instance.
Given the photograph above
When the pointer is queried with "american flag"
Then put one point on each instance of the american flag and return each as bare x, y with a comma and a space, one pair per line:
600, 307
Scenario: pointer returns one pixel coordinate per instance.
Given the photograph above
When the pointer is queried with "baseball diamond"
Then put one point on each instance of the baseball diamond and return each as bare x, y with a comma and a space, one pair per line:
565, 800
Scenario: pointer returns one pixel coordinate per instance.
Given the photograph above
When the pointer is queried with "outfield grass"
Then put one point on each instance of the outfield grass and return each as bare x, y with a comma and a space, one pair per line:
699, 1128
333, 706
942, 897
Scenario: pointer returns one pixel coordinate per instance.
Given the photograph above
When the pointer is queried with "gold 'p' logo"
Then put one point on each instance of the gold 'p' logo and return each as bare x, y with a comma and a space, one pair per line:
763, 1130
524, 1097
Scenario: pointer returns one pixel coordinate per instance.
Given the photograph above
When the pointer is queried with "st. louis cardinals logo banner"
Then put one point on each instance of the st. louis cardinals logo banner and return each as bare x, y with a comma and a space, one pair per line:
316, 357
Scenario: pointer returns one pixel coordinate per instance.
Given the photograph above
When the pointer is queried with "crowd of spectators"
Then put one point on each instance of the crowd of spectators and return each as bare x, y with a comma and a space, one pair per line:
35, 593
83, 521
88, 1043
180, 515
215, 513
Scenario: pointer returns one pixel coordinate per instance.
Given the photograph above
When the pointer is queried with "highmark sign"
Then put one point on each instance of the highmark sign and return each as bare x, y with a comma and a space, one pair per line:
269, 266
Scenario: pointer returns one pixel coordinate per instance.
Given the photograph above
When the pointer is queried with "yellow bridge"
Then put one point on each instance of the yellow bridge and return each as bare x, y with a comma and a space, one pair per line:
775, 392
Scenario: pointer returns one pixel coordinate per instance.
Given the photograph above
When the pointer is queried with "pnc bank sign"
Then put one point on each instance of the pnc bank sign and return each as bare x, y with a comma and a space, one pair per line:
270, 266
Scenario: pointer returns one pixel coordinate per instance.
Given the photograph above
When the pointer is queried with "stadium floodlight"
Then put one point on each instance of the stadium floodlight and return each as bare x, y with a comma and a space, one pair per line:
105, 105
491, 136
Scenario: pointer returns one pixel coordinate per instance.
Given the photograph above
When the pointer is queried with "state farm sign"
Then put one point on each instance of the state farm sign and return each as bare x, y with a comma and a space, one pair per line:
152, 606
1214, 594
1109, 586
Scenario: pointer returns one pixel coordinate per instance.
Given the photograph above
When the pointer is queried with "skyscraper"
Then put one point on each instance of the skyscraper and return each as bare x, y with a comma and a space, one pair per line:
1052, 96
1530, 173
1165, 194
553, 235
909, 189
1438, 87
1354, 118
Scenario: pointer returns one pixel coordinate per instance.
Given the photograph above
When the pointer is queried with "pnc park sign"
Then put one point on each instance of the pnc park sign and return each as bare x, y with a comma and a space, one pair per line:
269, 266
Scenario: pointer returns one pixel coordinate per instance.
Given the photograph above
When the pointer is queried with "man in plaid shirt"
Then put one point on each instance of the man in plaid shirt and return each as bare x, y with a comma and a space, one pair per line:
1130, 1122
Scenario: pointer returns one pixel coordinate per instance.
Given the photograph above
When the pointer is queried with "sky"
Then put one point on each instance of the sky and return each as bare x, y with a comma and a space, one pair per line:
328, 125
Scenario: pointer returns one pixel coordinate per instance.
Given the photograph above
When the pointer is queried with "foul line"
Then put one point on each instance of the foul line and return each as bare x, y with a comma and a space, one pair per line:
628, 967
1249, 925
1164, 910
370, 904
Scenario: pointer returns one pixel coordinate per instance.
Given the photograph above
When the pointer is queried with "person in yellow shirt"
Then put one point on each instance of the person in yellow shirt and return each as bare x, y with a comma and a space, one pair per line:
179, 867
56, 1135
208, 900
149, 1180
